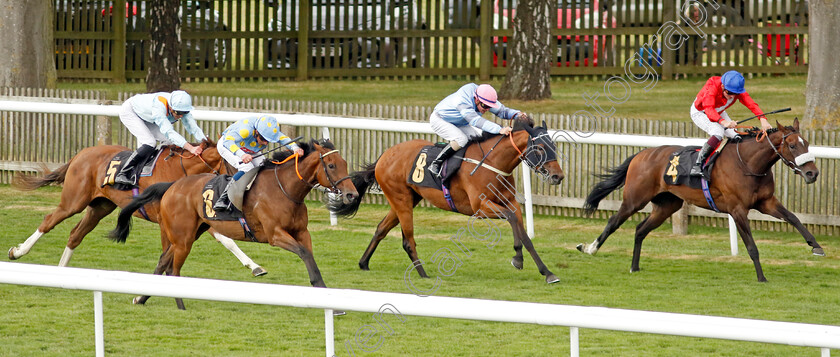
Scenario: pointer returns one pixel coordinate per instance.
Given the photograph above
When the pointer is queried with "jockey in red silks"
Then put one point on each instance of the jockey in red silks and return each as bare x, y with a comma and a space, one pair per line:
709, 112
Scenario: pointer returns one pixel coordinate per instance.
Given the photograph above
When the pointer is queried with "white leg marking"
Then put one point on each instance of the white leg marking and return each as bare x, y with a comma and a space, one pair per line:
233, 248
591, 248
65, 257
23, 248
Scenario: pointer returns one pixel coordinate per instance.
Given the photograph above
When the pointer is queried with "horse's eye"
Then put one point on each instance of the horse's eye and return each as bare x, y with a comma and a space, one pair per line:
331, 166
792, 146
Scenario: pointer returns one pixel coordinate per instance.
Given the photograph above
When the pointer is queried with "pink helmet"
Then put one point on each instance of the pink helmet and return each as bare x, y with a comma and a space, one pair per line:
487, 95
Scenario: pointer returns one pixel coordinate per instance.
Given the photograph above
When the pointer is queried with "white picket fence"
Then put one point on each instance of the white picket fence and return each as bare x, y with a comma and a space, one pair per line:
795, 334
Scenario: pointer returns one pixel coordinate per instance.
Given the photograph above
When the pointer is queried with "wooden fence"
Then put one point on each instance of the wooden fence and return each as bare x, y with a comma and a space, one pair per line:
31, 139
259, 39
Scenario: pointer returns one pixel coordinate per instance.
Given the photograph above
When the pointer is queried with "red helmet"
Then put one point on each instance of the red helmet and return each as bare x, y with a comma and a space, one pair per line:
487, 95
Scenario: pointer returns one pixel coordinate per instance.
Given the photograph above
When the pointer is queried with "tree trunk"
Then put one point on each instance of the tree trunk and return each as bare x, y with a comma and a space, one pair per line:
822, 93
164, 47
28, 55
529, 52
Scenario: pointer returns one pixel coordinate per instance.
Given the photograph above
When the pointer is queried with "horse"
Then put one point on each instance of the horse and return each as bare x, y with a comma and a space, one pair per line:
740, 180
82, 179
274, 207
473, 191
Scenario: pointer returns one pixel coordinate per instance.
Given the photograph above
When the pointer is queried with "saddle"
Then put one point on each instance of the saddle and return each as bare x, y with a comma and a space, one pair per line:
118, 161
680, 163
211, 192
420, 174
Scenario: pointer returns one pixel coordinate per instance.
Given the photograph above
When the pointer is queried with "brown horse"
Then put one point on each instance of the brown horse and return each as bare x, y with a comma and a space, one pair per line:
82, 180
484, 194
273, 206
741, 180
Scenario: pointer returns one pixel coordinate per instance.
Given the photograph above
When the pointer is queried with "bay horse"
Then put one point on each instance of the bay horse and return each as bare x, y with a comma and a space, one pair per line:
274, 208
82, 179
477, 195
740, 180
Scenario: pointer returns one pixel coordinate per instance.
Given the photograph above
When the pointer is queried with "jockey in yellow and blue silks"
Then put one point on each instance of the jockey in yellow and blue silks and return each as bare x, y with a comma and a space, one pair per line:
240, 144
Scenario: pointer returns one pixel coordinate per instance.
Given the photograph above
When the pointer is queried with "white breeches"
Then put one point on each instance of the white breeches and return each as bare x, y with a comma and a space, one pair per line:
713, 129
145, 132
235, 161
450, 132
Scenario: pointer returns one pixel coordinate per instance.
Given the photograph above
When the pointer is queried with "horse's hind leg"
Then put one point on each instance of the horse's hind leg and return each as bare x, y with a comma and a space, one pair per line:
97, 210
664, 206
256, 269
388, 223
69, 206
624, 212
164, 265
775, 208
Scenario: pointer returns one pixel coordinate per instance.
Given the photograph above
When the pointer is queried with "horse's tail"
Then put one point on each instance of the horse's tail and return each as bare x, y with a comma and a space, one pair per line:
29, 182
362, 180
152, 193
610, 181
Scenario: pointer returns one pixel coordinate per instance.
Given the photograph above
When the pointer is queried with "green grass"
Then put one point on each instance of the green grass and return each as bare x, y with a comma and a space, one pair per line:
685, 274
668, 100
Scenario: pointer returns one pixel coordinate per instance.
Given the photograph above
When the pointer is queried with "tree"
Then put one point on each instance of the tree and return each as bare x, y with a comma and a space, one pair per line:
528, 76
822, 93
164, 47
28, 55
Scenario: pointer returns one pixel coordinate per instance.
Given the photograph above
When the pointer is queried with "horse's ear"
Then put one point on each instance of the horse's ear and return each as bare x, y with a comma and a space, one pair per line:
782, 128
796, 123
544, 124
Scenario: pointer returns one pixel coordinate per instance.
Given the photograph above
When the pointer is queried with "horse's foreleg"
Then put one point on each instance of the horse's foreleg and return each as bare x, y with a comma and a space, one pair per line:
95, 213
256, 269
519, 233
775, 208
743, 224
300, 245
615, 221
388, 223
661, 212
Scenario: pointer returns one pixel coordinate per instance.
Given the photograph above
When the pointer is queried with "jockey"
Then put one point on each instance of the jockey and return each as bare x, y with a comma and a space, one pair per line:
709, 112
457, 118
239, 144
149, 117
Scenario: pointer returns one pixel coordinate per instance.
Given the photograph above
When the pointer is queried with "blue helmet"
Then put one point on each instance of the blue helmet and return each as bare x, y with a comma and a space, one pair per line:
268, 128
180, 101
733, 82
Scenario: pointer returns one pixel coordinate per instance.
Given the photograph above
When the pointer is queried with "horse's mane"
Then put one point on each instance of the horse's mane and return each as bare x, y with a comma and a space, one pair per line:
308, 148
518, 124
172, 147
755, 131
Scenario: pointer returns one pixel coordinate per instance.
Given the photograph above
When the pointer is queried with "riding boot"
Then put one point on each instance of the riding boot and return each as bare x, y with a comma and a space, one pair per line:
223, 203
697, 169
127, 175
435, 166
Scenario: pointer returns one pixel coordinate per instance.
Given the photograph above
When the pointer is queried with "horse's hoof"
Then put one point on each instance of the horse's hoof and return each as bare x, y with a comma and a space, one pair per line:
551, 279
580, 247
136, 300
816, 251
339, 313
516, 263
12, 254
363, 266
259, 271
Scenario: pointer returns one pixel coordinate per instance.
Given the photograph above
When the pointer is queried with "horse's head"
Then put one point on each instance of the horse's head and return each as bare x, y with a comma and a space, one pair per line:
334, 175
541, 152
793, 149
210, 155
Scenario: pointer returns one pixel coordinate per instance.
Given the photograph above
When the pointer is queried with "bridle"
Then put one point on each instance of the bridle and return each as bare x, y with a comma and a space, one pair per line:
532, 143
794, 165
334, 184
215, 171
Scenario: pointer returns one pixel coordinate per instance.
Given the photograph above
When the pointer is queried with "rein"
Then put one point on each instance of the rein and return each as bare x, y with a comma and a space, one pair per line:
334, 189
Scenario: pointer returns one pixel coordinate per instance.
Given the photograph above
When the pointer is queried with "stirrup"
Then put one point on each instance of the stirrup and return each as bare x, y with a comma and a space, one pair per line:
222, 204
124, 180
696, 170
436, 172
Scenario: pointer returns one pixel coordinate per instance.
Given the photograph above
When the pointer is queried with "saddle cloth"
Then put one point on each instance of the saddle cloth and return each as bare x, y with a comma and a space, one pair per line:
116, 164
680, 163
211, 191
420, 175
